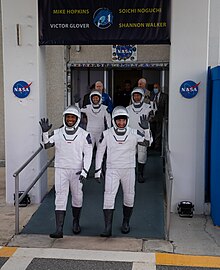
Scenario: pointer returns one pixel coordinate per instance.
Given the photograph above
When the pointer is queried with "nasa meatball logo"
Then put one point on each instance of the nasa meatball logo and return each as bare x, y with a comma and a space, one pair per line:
189, 89
124, 52
21, 89
103, 18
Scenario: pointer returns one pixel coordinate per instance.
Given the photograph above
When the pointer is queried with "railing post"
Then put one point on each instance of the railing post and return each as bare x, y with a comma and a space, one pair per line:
17, 204
169, 197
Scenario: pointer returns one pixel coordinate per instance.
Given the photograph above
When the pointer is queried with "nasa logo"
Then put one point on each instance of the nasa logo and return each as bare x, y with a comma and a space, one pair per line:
189, 89
124, 52
102, 18
21, 89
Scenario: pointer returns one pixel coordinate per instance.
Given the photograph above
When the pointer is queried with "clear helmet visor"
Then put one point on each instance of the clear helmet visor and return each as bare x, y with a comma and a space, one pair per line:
140, 92
71, 117
95, 99
120, 113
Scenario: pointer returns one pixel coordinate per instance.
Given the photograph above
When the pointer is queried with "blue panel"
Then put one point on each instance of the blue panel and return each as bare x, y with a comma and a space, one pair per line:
215, 147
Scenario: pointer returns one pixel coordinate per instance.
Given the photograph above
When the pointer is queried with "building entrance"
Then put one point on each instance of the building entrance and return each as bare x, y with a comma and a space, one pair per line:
114, 79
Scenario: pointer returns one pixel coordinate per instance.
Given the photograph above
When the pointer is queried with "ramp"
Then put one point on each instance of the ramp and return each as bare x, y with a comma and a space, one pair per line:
147, 220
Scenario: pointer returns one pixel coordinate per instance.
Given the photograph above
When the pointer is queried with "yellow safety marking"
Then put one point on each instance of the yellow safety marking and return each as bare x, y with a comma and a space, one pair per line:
7, 251
187, 260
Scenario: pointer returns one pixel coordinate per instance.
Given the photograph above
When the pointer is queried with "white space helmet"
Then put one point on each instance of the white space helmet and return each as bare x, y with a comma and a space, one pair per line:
72, 109
95, 93
120, 112
140, 91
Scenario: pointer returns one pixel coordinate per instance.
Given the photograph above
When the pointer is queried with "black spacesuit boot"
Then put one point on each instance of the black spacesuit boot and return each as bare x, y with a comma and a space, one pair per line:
60, 216
141, 173
127, 211
108, 215
76, 216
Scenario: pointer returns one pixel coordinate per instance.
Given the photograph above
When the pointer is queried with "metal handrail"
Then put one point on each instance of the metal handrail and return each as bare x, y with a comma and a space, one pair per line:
169, 178
16, 175
28, 161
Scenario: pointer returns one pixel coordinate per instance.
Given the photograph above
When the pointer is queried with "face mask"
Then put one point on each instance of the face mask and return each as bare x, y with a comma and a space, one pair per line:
156, 91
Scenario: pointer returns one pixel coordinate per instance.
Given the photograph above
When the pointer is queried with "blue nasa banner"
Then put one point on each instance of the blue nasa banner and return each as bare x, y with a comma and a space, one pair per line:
104, 22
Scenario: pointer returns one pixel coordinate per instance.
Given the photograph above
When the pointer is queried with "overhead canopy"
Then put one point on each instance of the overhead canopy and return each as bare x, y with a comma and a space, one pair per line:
99, 22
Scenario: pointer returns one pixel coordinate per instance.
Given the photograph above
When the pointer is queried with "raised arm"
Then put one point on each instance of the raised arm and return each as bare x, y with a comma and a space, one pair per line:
45, 126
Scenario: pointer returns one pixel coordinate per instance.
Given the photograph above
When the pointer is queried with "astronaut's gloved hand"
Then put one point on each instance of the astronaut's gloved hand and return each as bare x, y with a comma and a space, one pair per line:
44, 123
98, 175
144, 123
82, 176
151, 116
77, 98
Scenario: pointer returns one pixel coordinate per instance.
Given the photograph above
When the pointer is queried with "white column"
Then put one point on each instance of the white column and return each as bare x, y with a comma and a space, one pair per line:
24, 62
214, 36
188, 61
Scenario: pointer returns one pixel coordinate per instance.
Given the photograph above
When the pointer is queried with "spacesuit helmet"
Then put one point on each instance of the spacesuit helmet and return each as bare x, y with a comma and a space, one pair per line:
137, 90
97, 94
74, 110
120, 112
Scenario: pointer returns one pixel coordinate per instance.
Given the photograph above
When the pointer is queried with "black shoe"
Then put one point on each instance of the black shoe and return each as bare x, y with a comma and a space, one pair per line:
108, 215
60, 216
56, 235
76, 227
76, 216
106, 233
125, 228
127, 211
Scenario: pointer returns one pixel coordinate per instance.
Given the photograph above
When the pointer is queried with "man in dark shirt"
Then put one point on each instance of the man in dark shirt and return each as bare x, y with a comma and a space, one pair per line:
123, 96
161, 101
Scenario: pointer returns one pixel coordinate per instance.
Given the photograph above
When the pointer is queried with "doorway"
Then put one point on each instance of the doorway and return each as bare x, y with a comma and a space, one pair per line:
113, 78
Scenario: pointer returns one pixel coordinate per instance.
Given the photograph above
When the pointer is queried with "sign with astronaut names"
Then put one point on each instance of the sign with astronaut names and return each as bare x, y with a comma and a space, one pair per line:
21, 89
83, 22
189, 89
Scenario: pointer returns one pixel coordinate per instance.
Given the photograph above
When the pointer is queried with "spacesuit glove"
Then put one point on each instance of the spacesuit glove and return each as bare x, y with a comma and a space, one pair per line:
144, 123
44, 123
83, 176
77, 98
98, 175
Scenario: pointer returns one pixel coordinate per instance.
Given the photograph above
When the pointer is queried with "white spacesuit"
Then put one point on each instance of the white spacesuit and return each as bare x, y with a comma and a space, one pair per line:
73, 155
135, 111
98, 118
120, 142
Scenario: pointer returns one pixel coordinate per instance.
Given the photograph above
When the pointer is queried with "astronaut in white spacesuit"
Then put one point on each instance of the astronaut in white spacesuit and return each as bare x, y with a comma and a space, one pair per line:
138, 108
98, 118
120, 142
73, 156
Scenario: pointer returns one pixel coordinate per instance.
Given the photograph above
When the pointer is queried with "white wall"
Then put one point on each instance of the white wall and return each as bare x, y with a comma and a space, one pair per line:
214, 35
188, 61
2, 130
25, 62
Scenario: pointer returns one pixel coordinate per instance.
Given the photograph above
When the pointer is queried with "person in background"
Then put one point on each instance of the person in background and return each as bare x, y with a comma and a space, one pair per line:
73, 157
161, 102
142, 83
135, 111
120, 141
86, 98
123, 96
